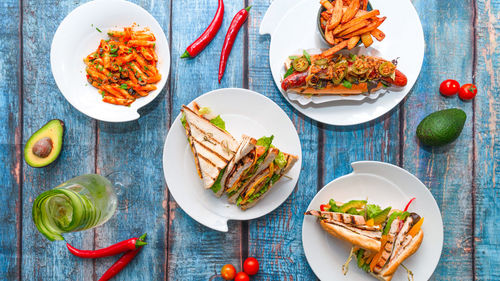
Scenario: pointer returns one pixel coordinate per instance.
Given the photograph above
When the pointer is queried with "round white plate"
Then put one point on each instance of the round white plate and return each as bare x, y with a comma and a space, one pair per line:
385, 185
404, 40
245, 112
77, 36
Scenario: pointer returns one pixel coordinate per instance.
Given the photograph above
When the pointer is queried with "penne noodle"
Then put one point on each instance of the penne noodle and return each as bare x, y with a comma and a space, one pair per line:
124, 66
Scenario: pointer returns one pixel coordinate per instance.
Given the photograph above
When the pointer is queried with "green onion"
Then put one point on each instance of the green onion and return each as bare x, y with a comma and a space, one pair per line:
288, 72
124, 86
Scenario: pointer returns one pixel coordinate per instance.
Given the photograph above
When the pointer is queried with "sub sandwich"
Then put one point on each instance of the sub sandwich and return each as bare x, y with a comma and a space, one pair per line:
382, 238
340, 74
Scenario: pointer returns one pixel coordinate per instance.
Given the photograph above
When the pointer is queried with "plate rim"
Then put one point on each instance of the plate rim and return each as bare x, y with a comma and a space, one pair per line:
385, 165
224, 227
133, 112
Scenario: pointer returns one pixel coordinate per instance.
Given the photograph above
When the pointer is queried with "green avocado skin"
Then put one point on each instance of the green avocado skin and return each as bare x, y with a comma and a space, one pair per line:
54, 129
441, 127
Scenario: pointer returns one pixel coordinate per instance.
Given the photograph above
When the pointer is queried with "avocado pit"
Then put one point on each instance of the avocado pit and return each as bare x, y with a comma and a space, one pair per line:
43, 147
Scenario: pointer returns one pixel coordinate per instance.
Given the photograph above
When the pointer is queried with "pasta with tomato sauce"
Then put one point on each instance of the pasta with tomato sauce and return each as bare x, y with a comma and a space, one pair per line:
123, 67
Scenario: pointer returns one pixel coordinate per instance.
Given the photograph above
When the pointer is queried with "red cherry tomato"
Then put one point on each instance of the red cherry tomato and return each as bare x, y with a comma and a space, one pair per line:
251, 266
242, 276
467, 92
449, 87
324, 207
228, 272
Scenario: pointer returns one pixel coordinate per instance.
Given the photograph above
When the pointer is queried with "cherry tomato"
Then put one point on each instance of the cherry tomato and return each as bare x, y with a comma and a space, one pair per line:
324, 207
467, 92
242, 276
449, 87
251, 265
228, 272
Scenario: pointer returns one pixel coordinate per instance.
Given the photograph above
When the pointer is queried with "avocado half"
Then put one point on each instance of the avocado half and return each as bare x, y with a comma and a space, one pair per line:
44, 146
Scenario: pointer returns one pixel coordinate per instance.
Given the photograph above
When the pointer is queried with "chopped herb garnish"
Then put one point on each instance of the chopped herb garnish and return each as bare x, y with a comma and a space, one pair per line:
113, 55
120, 68
124, 86
293, 57
98, 30
140, 79
113, 49
347, 84
109, 74
307, 56
288, 72
145, 67
352, 57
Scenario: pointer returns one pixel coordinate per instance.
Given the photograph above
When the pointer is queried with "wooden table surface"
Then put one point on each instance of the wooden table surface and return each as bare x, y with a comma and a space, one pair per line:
462, 42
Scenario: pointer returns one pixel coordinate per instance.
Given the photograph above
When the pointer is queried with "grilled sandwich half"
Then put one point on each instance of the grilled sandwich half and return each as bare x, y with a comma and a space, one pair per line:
212, 147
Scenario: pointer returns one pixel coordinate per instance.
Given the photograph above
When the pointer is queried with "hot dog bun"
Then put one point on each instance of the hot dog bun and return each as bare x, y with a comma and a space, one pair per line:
351, 237
356, 89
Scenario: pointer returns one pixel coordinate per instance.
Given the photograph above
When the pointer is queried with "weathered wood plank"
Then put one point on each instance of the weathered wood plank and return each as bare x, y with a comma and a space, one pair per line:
486, 136
377, 140
276, 239
42, 101
136, 148
10, 142
194, 250
446, 171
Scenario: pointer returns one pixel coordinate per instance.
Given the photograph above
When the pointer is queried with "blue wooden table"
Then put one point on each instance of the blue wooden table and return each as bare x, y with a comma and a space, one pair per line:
462, 42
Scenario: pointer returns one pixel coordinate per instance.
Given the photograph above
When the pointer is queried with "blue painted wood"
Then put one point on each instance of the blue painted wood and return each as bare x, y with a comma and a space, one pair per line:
180, 248
276, 239
10, 142
137, 148
446, 171
486, 136
42, 101
194, 250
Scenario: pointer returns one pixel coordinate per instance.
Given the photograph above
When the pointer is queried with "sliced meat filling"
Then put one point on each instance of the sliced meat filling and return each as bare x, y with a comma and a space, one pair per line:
400, 240
389, 246
368, 233
239, 169
354, 220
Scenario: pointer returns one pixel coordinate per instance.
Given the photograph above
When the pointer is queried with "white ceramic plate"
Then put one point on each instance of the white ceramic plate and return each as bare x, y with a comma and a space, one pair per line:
245, 112
385, 185
404, 40
77, 36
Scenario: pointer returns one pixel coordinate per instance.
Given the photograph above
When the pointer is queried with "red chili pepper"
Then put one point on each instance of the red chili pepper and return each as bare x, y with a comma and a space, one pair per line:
120, 247
231, 34
121, 263
324, 207
408, 205
206, 37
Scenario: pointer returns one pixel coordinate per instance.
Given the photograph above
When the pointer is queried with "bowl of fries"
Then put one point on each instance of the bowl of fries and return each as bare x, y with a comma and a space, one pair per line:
345, 24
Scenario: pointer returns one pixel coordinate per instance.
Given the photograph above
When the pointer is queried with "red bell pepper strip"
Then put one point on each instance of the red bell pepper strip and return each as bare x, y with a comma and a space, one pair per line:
207, 36
231, 34
408, 205
120, 247
121, 263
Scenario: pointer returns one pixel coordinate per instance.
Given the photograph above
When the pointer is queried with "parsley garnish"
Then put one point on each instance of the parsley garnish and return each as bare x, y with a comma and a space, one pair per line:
288, 72
347, 84
98, 30
124, 86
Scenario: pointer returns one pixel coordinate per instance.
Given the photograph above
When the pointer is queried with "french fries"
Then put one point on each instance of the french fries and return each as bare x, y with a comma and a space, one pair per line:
351, 11
352, 42
378, 34
336, 16
367, 40
334, 49
346, 22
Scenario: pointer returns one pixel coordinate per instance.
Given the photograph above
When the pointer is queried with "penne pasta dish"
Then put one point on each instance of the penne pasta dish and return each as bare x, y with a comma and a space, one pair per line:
123, 67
